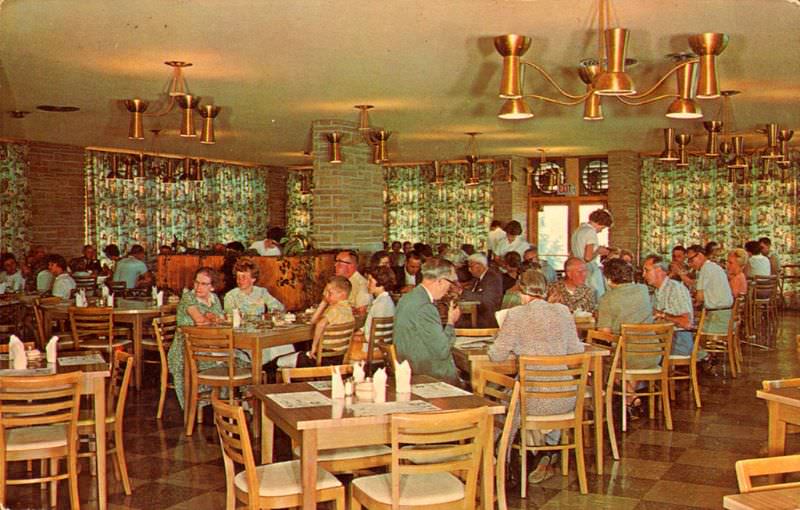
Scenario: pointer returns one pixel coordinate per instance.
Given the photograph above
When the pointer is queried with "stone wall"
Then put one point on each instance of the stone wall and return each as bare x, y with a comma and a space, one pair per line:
510, 199
623, 198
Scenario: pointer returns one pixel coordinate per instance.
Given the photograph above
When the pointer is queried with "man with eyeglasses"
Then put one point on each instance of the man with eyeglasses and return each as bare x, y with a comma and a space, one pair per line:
672, 303
713, 291
346, 265
418, 333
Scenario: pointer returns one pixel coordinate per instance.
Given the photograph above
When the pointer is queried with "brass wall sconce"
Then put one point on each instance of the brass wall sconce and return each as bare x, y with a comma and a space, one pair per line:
376, 138
335, 147
177, 93
683, 140
669, 154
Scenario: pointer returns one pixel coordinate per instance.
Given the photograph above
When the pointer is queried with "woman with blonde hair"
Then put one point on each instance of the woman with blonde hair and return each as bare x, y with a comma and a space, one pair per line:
736, 263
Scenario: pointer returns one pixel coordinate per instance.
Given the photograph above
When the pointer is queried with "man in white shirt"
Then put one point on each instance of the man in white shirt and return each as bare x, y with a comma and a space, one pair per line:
713, 290
496, 234
63, 284
270, 246
671, 302
757, 264
766, 250
346, 265
11, 275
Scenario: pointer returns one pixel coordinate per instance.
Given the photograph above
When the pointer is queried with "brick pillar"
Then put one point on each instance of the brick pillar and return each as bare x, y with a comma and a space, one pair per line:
276, 202
510, 199
624, 190
348, 196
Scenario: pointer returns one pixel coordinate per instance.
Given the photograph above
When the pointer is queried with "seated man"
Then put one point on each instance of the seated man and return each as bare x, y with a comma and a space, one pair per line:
572, 291
346, 265
63, 284
766, 249
418, 332
408, 275
88, 262
131, 267
11, 275
713, 290
531, 257
269, 246
757, 264
671, 302
486, 287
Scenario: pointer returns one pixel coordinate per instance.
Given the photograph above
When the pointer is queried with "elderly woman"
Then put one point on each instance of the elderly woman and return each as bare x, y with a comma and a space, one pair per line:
252, 300
197, 307
534, 329
736, 264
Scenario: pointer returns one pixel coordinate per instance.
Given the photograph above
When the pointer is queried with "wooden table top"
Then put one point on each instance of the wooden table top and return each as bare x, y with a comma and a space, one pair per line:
121, 307
322, 417
96, 369
776, 499
788, 396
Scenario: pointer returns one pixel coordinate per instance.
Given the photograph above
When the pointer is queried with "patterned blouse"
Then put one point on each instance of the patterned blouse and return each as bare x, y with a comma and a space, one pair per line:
582, 298
256, 303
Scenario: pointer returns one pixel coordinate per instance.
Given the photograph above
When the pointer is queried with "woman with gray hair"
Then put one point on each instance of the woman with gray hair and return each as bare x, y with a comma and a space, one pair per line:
538, 328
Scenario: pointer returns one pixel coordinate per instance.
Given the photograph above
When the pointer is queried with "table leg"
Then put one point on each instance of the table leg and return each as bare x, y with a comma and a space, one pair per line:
255, 361
308, 468
267, 437
487, 468
137, 350
599, 409
776, 441
99, 390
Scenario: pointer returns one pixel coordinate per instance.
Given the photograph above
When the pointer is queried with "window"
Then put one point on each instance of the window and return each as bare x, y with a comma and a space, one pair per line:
552, 221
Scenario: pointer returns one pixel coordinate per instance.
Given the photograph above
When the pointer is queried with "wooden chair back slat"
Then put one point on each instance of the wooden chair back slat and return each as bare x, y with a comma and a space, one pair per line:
210, 345
303, 374
27, 401
335, 341
747, 469
236, 448
92, 324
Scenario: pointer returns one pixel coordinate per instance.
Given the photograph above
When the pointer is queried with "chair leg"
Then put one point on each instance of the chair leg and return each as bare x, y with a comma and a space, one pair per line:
651, 402
623, 401
54, 484
612, 434
191, 409
672, 383
665, 403
339, 502
72, 471
120, 455
523, 465
580, 462
355, 504
732, 359
695, 384
565, 452
162, 397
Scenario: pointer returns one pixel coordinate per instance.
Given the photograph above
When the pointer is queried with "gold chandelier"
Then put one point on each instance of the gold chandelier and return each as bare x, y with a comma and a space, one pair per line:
177, 94
376, 138
606, 75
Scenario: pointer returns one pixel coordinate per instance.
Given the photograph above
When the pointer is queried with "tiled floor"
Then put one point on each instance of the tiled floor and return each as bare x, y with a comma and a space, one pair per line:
691, 467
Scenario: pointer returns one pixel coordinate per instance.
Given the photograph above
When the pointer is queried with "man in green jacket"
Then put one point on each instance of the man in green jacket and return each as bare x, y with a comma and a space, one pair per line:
418, 333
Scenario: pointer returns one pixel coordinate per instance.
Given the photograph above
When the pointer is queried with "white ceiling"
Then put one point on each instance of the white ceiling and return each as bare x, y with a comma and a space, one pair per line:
428, 66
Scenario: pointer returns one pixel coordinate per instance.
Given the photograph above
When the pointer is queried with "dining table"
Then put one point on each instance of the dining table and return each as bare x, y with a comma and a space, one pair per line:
317, 422
470, 358
136, 313
773, 499
94, 384
783, 407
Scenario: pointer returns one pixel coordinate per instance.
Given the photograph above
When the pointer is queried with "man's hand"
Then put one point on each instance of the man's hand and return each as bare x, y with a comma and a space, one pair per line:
453, 314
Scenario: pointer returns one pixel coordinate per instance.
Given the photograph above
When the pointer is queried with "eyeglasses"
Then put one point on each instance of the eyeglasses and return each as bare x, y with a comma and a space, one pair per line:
203, 284
689, 258
449, 280
340, 261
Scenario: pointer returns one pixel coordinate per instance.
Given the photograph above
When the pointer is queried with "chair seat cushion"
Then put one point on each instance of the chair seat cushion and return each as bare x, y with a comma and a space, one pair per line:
641, 371
415, 490
222, 373
39, 436
284, 479
356, 452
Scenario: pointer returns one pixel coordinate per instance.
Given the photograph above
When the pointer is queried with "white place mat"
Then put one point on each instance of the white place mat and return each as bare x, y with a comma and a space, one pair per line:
48, 370
437, 390
373, 409
320, 385
73, 361
300, 399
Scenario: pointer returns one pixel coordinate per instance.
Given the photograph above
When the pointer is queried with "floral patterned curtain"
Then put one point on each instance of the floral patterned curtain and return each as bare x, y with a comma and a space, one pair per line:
450, 212
298, 207
228, 204
14, 199
705, 202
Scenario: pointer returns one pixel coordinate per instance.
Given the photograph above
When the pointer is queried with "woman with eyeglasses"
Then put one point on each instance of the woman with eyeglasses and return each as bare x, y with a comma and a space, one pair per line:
197, 307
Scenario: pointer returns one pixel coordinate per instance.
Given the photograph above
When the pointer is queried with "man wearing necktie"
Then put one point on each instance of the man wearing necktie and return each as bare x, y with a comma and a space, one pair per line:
486, 288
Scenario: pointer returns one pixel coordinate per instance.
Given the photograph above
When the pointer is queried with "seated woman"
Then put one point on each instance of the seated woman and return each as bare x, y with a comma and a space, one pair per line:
379, 279
197, 307
736, 264
538, 328
380, 258
253, 301
625, 302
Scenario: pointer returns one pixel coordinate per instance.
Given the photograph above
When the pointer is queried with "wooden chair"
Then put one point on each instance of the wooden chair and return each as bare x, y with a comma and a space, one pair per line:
93, 328
381, 332
607, 341
64, 335
117, 394
38, 421
338, 460
476, 332
335, 342
389, 352
748, 468
553, 377
210, 355
118, 288
87, 283
724, 344
449, 442
276, 485
502, 389
294, 374
645, 341
690, 363
164, 332
765, 304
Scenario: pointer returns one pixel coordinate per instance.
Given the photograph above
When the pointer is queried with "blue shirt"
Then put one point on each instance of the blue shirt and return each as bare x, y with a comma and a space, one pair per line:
128, 270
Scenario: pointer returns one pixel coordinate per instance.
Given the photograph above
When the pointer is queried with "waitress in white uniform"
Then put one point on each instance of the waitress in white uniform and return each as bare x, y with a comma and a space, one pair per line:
586, 246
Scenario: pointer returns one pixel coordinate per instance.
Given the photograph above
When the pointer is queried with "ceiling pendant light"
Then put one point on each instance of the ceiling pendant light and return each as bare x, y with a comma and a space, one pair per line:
473, 172
188, 103
683, 106
713, 128
209, 113
683, 139
136, 107
771, 151
378, 140
614, 80
515, 109
335, 146
669, 155
784, 135
739, 160
592, 105
511, 47
708, 46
